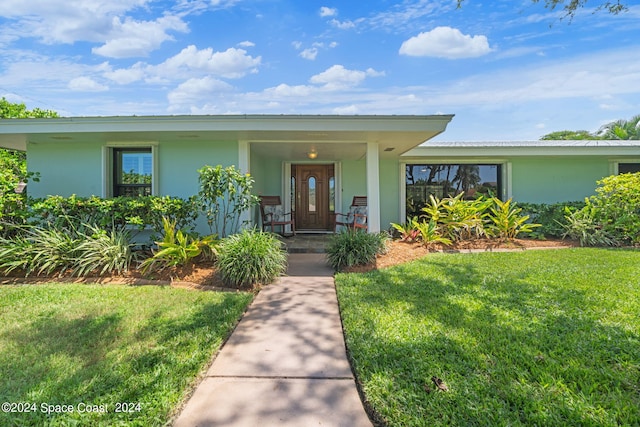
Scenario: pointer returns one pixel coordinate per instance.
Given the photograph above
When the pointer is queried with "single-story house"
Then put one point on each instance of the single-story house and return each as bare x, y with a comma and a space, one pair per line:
317, 164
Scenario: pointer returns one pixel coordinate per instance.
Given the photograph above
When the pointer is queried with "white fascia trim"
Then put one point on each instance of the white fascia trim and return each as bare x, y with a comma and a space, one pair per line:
133, 144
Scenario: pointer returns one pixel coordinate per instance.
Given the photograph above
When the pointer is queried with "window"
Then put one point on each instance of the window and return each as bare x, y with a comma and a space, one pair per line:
443, 180
132, 171
628, 167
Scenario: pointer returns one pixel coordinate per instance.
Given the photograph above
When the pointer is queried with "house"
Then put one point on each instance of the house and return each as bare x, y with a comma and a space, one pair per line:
317, 164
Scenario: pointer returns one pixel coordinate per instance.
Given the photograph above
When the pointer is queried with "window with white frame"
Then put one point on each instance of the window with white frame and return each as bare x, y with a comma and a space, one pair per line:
132, 171
443, 180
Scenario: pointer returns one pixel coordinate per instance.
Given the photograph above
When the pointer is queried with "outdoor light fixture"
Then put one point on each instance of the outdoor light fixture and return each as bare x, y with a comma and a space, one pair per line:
312, 154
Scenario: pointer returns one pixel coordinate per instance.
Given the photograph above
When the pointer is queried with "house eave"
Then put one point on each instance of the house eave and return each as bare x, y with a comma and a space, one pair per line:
524, 149
406, 130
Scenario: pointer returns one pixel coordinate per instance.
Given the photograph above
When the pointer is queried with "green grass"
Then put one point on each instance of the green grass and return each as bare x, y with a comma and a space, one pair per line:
103, 345
544, 338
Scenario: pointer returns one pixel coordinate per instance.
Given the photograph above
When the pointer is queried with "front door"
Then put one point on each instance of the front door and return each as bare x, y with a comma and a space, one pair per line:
313, 190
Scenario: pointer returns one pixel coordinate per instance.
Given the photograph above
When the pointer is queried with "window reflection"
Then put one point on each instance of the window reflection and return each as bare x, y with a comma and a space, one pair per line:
444, 180
312, 194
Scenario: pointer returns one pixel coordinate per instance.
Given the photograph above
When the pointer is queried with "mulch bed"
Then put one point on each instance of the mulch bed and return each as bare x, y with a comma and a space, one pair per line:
203, 276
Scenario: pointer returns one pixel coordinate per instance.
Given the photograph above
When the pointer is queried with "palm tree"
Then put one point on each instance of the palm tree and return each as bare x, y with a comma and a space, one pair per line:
467, 176
621, 129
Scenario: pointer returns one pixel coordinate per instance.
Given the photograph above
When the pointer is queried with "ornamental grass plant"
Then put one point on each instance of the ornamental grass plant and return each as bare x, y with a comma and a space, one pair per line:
251, 257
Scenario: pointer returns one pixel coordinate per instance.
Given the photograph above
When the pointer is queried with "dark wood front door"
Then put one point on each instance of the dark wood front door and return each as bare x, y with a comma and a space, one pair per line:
313, 190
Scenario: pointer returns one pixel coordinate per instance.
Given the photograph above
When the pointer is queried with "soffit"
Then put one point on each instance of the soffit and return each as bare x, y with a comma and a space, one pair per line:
267, 133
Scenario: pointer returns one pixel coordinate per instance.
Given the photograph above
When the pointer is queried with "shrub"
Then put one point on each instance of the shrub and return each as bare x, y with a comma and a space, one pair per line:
505, 220
13, 171
457, 219
582, 225
430, 235
179, 248
102, 252
251, 257
354, 247
224, 194
408, 231
79, 251
616, 206
551, 217
117, 213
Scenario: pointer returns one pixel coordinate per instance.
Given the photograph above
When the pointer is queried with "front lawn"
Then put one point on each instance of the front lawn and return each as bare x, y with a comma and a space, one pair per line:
106, 355
543, 338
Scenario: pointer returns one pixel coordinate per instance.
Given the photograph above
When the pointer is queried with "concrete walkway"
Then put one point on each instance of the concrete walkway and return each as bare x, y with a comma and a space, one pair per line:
285, 364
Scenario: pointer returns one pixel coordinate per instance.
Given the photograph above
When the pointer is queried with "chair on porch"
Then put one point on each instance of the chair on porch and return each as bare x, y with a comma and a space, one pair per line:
273, 215
356, 217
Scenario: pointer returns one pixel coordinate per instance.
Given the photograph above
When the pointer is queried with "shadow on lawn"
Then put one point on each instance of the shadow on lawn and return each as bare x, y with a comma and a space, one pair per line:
98, 359
512, 347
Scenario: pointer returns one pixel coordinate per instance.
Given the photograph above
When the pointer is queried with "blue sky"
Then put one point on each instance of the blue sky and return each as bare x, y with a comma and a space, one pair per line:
508, 69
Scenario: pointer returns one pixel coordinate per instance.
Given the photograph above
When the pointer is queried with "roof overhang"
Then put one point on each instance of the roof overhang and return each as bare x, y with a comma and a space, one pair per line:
543, 148
394, 134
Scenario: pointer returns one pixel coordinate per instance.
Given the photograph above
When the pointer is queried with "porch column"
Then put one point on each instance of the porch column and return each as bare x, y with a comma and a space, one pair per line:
244, 167
373, 187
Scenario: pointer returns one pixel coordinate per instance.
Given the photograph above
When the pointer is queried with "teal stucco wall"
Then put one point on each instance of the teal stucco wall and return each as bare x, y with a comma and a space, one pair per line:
66, 169
552, 180
178, 164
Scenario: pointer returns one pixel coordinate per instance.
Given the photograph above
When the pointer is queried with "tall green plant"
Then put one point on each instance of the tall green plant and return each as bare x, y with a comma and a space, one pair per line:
409, 230
505, 220
457, 219
430, 234
251, 257
583, 226
355, 247
225, 193
179, 248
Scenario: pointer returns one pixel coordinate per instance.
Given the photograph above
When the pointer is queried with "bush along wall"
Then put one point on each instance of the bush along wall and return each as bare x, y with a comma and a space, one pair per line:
115, 213
611, 216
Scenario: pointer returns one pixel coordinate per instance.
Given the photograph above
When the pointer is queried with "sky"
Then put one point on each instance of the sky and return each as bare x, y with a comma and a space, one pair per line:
507, 69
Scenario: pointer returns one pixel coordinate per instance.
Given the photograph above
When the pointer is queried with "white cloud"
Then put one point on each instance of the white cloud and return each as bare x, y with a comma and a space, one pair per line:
246, 43
195, 90
86, 84
445, 42
232, 63
286, 91
347, 109
337, 77
68, 21
138, 38
128, 75
343, 25
328, 11
309, 54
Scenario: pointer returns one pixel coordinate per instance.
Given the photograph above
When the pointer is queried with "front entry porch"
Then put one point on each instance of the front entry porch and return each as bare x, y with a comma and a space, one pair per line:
306, 243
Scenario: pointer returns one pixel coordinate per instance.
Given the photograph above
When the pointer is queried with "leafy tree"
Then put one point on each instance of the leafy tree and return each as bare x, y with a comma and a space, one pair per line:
568, 135
571, 7
225, 193
621, 129
13, 166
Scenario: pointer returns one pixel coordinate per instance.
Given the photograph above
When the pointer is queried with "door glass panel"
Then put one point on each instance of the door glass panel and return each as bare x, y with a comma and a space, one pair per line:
332, 194
293, 193
312, 194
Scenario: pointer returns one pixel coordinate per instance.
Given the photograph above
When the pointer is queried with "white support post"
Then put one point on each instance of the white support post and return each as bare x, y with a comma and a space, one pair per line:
244, 166
373, 187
